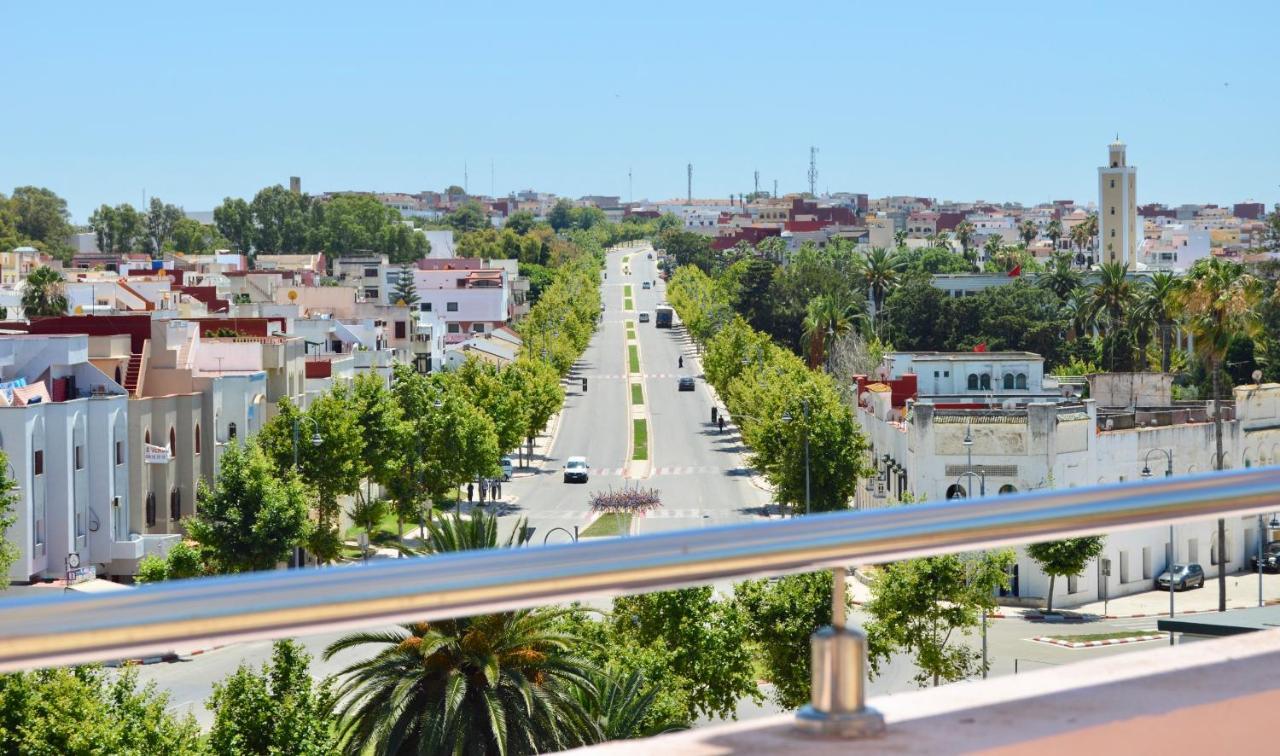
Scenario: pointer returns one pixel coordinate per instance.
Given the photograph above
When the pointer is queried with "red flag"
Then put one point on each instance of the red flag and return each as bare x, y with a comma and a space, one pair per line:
981, 347
1017, 271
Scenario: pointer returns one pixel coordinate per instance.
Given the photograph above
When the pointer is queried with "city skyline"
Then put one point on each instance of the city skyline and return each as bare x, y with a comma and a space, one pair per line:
1001, 105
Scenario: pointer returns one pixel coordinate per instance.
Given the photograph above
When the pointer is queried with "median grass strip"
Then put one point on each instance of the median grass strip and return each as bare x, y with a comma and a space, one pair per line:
639, 439
626, 304
633, 356
626, 290
611, 524
637, 394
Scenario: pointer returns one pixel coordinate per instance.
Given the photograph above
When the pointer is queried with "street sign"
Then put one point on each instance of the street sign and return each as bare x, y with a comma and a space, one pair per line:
156, 455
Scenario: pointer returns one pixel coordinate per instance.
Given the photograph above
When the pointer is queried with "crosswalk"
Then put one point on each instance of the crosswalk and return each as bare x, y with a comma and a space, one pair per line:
626, 376
617, 472
662, 513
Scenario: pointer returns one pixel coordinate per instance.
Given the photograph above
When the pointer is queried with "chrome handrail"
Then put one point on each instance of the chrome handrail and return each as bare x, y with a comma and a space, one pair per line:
54, 629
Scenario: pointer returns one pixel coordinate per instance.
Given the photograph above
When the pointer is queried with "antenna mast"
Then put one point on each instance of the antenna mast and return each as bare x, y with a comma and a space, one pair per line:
813, 171
690, 170
756, 193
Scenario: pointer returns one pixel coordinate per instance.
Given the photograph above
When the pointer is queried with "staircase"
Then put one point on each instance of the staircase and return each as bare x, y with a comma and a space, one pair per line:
132, 372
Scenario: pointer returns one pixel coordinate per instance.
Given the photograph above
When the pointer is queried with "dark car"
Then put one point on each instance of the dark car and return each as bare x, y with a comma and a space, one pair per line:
1270, 558
686, 383
1184, 576
645, 285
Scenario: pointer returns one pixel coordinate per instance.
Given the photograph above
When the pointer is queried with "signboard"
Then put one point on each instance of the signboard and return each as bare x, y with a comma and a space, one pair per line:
156, 455
81, 575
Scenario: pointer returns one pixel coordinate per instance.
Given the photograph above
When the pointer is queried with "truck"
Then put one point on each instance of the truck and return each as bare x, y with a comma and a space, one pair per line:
662, 316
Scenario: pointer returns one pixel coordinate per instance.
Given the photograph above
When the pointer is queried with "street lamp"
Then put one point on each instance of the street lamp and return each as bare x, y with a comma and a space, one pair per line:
786, 418
1169, 560
968, 448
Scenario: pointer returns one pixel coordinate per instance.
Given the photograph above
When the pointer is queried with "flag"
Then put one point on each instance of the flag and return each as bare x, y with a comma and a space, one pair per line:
1017, 271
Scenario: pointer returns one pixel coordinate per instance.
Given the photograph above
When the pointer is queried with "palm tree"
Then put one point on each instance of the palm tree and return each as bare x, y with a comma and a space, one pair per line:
992, 246
497, 683
1218, 302
879, 269
964, 235
1157, 308
1028, 230
900, 239
1060, 277
622, 710
1054, 231
1113, 297
43, 293
828, 318
1078, 308
1080, 236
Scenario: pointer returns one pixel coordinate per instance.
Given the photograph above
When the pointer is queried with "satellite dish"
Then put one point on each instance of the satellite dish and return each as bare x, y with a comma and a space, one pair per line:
293, 295
79, 310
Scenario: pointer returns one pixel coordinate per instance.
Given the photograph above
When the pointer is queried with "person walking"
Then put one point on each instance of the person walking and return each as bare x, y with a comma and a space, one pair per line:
713, 414
484, 489
471, 490
682, 360
722, 423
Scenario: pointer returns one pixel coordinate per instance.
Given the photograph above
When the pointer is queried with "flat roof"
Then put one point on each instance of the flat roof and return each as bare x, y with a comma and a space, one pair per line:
1232, 622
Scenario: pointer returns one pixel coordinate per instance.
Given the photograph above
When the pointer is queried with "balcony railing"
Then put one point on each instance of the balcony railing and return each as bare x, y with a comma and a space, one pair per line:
48, 630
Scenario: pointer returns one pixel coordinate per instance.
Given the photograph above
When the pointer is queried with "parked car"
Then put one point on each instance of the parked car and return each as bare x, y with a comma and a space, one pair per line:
650, 255
575, 470
644, 317
686, 383
507, 467
645, 285
1270, 558
1184, 576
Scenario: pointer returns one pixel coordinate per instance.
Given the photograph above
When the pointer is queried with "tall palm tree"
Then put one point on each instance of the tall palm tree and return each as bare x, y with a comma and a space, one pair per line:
879, 269
1028, 230
1218, 301
1060, 277
1078, 307
1054, 231
900, 239
1080, 236
828, 318
1157, 307
964, 235
497, 683
1114, 295
991, 247
43, 293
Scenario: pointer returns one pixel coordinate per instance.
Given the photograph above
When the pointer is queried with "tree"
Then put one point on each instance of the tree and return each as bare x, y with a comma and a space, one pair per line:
275, 711
481, 384
520, 222
753, 299
40, 217
160, 220
992, 246
1060, 277
706, 639
251, 518
781, 615
234, 220
470, 216
539, 389
453, 533
687, 248
183, 561
116, 229
8, 517
828, 318
1028, 230
1156, 305
879, 269
923, 606
1054, 232
192, 237
964, 234
44, 294
919, 315
87, 710
1114, 296
1064, 558
281, 221
561, 215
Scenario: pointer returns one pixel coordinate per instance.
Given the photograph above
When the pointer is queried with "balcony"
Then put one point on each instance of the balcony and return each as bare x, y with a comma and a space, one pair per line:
1161, 698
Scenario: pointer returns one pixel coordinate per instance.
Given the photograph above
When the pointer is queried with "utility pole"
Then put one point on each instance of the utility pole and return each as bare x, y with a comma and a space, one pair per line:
756, 193
465, 188
775, 188
813, 171
690, 170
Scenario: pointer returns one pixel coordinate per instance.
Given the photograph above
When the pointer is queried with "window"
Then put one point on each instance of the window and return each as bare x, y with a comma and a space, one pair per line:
1124, 567
175, 505
151, 509
37, 462
231, 431
1020, 382
1008, 380
1073, 583
370, 272
1146, 562
455, 328
1113, 211
173, 443
946, 373
1113, 181
1113, 233
146, 437
401, 329
197, 438
450, 306
119, 452
984, 381
370, 293
79, 457
424, 307
973, 382
477, 327
1007, 489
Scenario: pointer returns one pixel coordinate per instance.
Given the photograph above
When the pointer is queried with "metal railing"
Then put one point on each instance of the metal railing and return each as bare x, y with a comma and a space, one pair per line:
49, 630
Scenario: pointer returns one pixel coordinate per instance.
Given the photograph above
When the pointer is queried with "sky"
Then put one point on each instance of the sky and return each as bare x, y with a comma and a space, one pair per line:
108, 102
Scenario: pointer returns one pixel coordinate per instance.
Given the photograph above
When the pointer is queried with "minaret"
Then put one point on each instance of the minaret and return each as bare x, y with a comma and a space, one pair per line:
1118, 232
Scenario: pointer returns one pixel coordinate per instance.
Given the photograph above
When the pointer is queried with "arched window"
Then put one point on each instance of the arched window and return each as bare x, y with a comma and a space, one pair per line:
1008, 380
175, 505
1021, 381
984, 382
197, 438
1007, 489
231, 431
119, 378
146, 437
973, 382
173, 442
151, 509
956, 491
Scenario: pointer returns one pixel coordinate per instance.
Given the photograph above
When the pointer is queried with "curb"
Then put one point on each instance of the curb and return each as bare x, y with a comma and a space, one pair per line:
172, 656
1097, 643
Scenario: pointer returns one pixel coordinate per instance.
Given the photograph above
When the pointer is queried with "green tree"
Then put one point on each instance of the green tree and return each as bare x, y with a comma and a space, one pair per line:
1114, 298
281, 221
1271, 234
964, 234
919, 312
1064, 558
687, 248
181, 562
924, 606
44, 294
406, 291
117, 229
353, 223
192, 237
1028, 231
706, 639
879, 270
521, 222
538, 387
1060, 277
251, 518
234, 220
781, 615
86, 710
992, 246
8, 517
160, 220
482, 385
1054, 232
40, 217
471, 216
561, 215
275, 711
1156, 305
452, 533
829, 318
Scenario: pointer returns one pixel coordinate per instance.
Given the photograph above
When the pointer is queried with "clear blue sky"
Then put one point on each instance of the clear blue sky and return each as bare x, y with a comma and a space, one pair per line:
955, 100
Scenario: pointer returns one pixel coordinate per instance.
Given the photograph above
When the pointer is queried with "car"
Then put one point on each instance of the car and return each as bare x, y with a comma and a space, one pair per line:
644, 317
1184, 576
575, 470
649, 256
1270, 558
685, 383
645, 285
507, 467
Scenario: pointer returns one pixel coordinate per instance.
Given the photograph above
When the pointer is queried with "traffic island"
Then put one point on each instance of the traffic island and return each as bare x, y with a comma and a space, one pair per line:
609, 525
1096, 640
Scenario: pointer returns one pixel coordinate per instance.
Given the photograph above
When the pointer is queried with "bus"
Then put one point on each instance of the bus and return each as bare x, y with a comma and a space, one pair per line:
662, 316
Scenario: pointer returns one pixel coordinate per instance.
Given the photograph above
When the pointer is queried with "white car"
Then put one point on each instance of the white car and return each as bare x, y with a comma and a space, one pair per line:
507, 467
575, 470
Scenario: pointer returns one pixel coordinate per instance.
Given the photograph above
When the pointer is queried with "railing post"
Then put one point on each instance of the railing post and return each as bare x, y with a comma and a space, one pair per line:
837, 698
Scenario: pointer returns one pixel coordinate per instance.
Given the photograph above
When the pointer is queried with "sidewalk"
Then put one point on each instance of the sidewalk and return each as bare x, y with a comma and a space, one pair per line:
1242, 593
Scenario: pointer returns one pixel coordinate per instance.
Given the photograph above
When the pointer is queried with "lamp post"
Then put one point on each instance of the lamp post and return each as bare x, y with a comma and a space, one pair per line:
1169, 560
786, 418
316, 440
968, 448
982, 483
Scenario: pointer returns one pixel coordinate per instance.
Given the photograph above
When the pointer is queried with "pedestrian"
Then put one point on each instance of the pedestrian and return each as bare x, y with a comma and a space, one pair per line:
682, 360
713, 414
722, 423
484, 489
497, 490
470, 492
